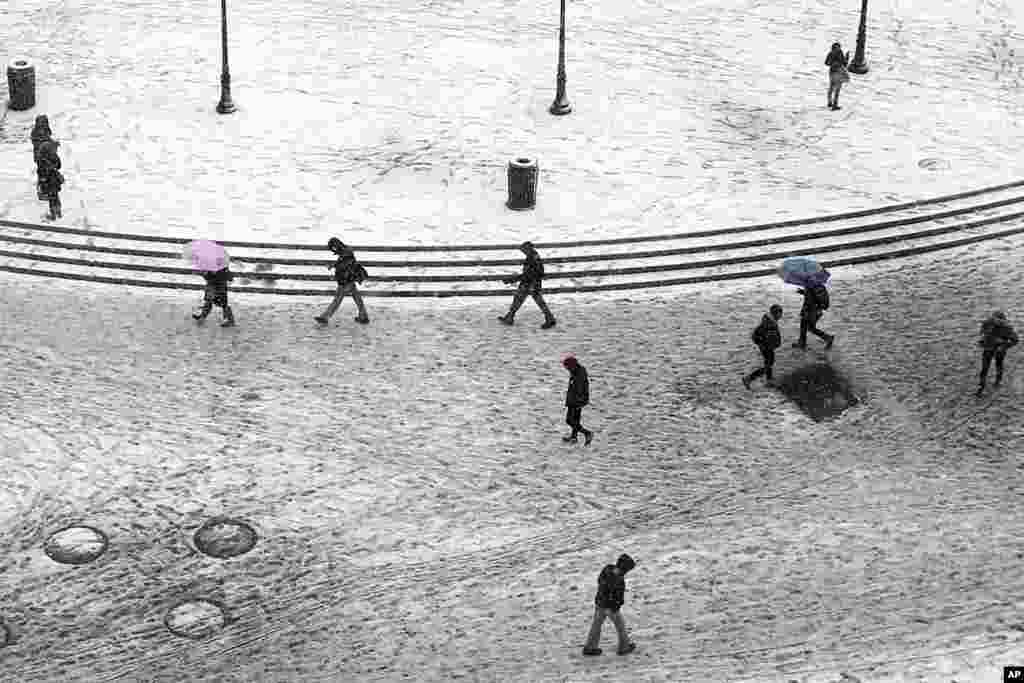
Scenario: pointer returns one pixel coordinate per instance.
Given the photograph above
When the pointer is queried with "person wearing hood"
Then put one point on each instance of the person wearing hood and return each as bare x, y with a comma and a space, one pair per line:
996, 337
611, 595
50, 177
347, 272
816, 302
577, 396
529, 285
40, 133
767, 337
836, 62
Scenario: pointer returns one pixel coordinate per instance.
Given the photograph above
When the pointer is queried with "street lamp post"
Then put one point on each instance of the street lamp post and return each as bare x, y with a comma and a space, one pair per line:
561, 104
858, 65
225, 106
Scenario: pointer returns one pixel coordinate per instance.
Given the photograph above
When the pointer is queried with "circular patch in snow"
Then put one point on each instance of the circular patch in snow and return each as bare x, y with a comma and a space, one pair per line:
933, 164
195, 619
224, 538
76, 544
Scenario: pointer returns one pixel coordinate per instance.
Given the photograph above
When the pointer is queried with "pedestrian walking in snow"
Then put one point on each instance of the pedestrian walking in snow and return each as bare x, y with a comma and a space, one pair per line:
767, 337
40, 133
529, 285
50, 177
816, 302
996, 337
836, 62
217, 295
577, 396
347, 272
611, 595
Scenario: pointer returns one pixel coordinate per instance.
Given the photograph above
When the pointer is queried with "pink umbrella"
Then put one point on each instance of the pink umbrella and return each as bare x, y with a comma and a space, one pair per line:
206, 255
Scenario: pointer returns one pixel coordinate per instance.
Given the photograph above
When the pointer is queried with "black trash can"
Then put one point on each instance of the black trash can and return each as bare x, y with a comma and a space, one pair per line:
21, 84
522, 184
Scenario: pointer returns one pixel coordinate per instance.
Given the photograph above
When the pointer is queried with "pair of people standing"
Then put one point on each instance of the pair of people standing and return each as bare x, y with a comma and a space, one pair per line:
48, 176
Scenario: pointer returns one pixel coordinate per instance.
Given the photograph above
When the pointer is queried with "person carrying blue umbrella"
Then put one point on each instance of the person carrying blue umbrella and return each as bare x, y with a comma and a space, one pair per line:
805, 272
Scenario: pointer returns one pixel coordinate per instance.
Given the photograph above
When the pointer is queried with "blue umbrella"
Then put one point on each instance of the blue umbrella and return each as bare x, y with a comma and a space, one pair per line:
803, 271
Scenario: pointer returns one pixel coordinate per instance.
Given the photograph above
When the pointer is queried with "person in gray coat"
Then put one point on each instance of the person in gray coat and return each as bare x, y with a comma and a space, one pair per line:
529, 285
347, 272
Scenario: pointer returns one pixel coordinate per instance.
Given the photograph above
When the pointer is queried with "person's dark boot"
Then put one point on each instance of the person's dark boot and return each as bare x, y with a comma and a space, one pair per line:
201, 315
746, 382
999, 379
592, 651
981, 390
321, 319
507, 319
627, 649
569, 439
362, 319
548, 324
588, 436
229, 318
828, 342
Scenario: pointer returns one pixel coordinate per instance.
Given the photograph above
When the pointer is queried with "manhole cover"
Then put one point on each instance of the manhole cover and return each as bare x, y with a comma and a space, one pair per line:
195, 619
224, 538
77, 544
933, 164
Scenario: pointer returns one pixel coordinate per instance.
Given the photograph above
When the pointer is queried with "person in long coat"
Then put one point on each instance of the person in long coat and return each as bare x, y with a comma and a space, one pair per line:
836, 61
347, 272
40, 133
810, 313
997, 335
529, 285
576, 396
608, 601
216, 294
50, 177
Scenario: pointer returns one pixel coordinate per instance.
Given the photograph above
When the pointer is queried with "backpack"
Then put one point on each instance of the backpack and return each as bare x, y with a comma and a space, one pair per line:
820, 295
360, 273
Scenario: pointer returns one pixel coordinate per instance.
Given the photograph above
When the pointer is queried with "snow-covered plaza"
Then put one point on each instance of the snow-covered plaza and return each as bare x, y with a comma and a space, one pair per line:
418, 516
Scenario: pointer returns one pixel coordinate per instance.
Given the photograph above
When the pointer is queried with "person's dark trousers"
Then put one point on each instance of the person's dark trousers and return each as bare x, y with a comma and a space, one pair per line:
769, 361
529, 289
573, 418
986, 362
809, 323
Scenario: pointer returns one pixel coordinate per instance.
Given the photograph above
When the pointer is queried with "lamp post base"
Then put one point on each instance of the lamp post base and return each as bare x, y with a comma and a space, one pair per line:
560, 107
858, 67
225, 107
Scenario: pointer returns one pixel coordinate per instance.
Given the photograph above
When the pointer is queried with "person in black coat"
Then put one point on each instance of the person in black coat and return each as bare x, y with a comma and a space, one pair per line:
767, 337
577, 396
50, 177
815, 303
836, 61
217, 295
347, 272
529, 285
997, 335
611, 595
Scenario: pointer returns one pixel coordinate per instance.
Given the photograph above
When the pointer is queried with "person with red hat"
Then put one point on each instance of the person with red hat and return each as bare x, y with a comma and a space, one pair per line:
577, 396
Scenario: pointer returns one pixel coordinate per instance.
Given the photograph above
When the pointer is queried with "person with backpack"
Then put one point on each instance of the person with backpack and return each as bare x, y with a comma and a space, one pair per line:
611, 592
347, 272
816, 301
217, 295
997, 335
836, 61
529, 285
767, 337
577, 396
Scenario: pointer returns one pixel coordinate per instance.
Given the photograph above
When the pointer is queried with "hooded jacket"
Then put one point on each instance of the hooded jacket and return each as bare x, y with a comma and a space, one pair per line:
996, 333
767, 334
533, 271
611, 589
578, 394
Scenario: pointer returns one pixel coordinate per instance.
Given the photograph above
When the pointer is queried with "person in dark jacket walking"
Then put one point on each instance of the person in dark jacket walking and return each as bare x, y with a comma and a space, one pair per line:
217, 295
40, 133
611, 595
50, 177
815, 303
996, 337
767, 338
347, 272
836, 62
577, 396
529, 285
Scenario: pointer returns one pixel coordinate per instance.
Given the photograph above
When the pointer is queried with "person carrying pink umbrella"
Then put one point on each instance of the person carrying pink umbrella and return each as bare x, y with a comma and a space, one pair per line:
211, 260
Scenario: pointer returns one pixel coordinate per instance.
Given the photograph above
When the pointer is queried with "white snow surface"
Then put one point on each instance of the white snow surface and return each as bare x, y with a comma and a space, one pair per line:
391, 122
420, 519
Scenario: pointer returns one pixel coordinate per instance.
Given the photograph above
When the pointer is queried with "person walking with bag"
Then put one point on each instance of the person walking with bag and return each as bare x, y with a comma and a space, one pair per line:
767, 337
996, 337
836, 62
576, 396
347, 272
611, 592
529, 285
816, 301
217, 295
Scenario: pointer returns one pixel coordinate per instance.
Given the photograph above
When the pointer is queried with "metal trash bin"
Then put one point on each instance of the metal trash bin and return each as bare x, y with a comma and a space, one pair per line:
21, 84
522, 184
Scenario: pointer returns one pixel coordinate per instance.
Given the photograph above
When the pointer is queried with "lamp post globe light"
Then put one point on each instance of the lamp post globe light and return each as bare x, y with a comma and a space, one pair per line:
561, 105
225, 106
858, 65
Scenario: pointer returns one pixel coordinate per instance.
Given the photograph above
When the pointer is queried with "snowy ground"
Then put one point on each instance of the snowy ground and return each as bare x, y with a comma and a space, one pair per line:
390, 121
421, 520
